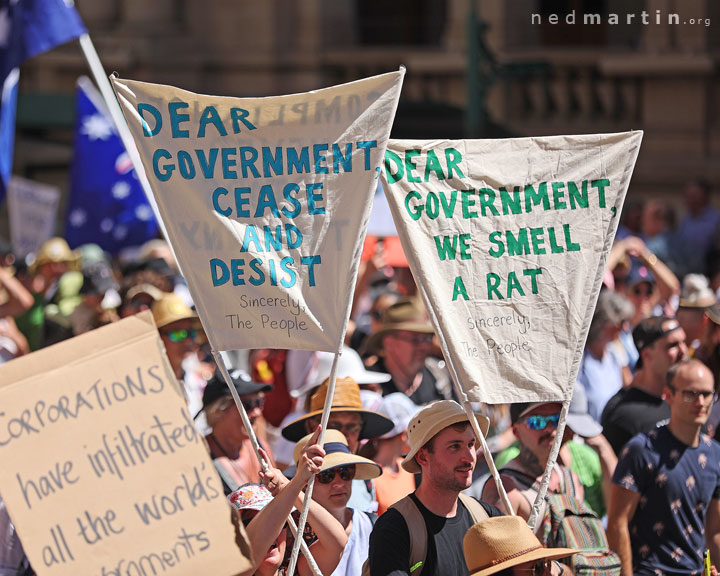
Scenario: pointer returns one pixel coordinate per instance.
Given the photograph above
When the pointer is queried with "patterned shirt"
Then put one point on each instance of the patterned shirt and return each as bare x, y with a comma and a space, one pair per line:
676, 483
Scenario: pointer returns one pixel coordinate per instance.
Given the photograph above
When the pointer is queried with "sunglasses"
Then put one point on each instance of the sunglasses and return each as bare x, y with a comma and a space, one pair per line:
346, 429
538, 422
346, 473
414, 338
539, 568
691, 396
251, 403
643, 290
177, 336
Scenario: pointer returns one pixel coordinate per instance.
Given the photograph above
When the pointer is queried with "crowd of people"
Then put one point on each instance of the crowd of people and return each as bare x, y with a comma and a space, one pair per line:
399, 487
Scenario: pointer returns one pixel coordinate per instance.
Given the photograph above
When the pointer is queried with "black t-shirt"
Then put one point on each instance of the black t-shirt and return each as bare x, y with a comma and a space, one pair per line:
630, 412
390, 542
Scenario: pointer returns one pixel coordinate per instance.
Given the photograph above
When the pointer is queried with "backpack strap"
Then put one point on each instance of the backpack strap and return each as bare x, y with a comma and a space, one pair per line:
477, 510
417, 531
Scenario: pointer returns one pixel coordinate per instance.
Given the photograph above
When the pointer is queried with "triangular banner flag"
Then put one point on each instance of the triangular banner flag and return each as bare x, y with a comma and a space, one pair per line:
266, 201
507, 240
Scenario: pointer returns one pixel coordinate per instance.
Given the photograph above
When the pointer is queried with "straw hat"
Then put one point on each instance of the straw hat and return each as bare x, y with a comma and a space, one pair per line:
403, 315
429, 421
56, 250
502, 542
337, 454
346, 399
170, 308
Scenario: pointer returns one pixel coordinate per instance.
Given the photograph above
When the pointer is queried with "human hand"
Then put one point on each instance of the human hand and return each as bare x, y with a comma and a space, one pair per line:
635, 247
272, 478
312, 457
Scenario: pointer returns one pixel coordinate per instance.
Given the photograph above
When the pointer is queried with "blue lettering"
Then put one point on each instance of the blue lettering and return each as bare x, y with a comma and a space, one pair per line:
176, 118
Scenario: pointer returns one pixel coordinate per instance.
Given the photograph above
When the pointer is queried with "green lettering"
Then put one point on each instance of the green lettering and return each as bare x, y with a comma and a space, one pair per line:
554, 247
390, 156
571, 246
600, 185
535, 198
452, 159
465, 247
448, 206
493, 281
433, 165
578, 198
520, 245
510, 205
558, 195
537, 240
487, 200
459, 289
533, 273
467, 203
410, 166
416, 211
514, 284
496, 238
447, 247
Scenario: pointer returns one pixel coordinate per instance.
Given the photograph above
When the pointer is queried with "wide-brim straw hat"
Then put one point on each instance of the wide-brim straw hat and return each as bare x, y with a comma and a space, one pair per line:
429, 421
502, 542
338, 454
346, 399
56, 250
403, 315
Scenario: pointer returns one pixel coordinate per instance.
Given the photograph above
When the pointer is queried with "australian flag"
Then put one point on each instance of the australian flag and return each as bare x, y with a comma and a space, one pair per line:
107, 204
27, 28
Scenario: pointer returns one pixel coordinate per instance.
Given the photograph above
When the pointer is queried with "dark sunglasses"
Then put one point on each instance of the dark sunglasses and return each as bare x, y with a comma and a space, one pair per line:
643, 290
177, 336
346, 429
346, 473
538, 422
251, 403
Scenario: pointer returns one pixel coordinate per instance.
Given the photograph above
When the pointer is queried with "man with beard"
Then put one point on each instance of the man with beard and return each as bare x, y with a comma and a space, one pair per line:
665, 500
535, 427
443, 447
640, 407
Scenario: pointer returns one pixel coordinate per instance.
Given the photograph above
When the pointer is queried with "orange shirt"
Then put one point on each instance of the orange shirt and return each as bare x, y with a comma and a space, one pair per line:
392, 486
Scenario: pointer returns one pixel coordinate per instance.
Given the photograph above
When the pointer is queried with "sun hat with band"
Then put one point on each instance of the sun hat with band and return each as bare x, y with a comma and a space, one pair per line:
338, 454
346, 399
403, 315
502, 542
431, 420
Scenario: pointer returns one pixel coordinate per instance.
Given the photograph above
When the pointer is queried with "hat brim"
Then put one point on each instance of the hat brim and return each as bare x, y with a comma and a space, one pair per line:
364, 469
362, 378
176, 318
374, 424
532, 556
374, 341
584, 425
410, 465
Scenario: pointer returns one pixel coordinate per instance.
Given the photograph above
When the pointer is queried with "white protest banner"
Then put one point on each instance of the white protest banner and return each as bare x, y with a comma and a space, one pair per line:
507, 240
103, 471
33, 212
266, 201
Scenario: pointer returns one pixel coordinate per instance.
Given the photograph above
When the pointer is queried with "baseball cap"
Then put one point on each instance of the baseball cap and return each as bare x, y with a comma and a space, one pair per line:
639, 273
578, 417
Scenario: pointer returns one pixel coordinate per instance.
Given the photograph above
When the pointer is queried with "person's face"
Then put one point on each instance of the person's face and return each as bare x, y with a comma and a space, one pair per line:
667, 351
335, 494
653, 219
275, 554
451, 463
643, 296
407, 349
53, 270
349, 423
533, 568
229, 427
695, 198
538, 434
181, 338
691, 395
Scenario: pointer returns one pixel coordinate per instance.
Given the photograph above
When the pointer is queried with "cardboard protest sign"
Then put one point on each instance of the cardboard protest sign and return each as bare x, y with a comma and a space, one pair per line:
103, 469
507, 240
266, 201
32, 207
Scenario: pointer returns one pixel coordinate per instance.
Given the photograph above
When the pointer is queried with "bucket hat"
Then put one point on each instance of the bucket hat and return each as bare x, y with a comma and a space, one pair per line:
429, 421
338, 454
346, 399
502, 542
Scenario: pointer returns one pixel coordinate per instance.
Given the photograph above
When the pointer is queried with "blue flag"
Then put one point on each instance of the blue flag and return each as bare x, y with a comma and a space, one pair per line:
27, 28
107, 205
